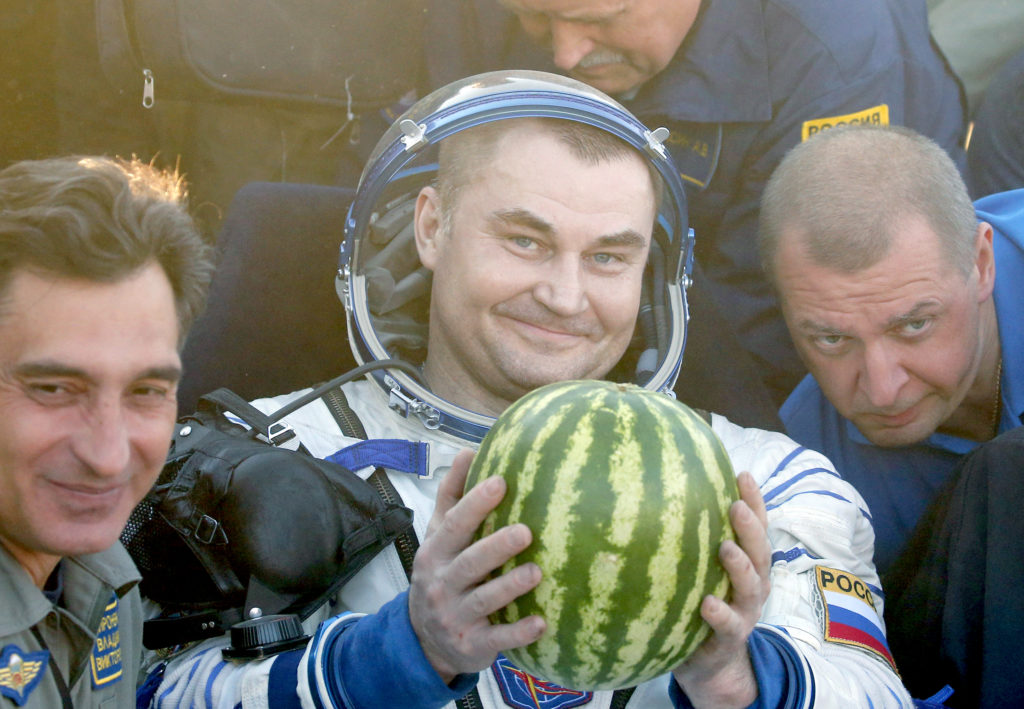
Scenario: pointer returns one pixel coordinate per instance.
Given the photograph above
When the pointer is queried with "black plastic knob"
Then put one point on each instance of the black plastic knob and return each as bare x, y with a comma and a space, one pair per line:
264, 636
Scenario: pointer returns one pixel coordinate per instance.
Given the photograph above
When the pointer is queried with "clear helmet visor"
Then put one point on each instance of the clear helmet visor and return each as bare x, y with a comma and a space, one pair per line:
386, 290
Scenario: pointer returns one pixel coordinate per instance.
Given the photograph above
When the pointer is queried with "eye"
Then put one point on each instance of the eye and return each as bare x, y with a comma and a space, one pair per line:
50, 392
915, 327
152, 392
829, 342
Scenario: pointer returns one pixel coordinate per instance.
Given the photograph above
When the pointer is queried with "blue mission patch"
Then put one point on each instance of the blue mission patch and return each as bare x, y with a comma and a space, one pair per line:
105, 661
524, 691
21, 672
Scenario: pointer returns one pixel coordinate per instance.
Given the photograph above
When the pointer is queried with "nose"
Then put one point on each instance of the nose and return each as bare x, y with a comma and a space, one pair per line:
563, 289
883, 375
103, 442
570, 42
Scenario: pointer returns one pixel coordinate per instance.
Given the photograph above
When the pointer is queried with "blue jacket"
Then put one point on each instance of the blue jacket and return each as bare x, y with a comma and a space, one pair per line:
751, 80
899, 483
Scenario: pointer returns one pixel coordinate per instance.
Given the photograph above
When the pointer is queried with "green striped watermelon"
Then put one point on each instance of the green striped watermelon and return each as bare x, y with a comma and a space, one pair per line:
627, 493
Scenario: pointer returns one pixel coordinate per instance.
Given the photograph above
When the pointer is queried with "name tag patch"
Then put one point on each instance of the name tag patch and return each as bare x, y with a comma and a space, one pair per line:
876, 115
21, 672
524, 691
105, 662
850, 615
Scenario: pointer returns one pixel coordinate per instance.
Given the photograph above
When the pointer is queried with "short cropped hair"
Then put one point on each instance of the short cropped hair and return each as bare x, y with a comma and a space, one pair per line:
846, 190
464, 154
102, 219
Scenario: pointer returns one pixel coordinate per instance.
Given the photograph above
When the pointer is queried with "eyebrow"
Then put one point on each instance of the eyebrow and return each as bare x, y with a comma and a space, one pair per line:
911, 315
56, 369
522, 217
915, 313
584, 15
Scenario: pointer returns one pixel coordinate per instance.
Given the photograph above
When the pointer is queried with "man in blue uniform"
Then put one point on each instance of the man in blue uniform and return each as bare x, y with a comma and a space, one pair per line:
738, 83
903, 300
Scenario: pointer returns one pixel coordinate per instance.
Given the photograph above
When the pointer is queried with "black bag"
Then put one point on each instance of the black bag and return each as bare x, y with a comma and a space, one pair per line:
353, 54
234, 524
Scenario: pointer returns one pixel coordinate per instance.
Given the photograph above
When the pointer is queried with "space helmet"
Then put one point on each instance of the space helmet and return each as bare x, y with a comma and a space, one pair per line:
386, 290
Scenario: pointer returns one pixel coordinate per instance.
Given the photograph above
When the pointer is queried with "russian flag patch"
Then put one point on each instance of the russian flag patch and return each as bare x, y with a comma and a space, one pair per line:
850, 615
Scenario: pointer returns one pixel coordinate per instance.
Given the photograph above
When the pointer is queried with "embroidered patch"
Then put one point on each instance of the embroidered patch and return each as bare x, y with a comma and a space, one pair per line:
850, 614
876, 115
695, 148
105, 661
524, 691
21, 672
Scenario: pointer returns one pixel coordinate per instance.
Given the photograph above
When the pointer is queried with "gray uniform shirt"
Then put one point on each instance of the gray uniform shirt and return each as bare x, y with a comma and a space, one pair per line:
93, 636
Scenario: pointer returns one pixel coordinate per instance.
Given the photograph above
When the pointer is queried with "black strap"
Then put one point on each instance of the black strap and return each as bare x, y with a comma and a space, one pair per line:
58, 677
620, 698
406, 544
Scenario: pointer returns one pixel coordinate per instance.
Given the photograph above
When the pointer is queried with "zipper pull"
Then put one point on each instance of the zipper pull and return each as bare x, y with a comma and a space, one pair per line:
147, 89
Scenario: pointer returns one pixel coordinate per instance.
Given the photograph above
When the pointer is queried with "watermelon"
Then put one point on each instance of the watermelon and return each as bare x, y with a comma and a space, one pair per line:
627, 493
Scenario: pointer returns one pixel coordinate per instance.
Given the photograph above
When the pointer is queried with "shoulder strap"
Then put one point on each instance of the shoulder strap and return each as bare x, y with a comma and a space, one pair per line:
350, 425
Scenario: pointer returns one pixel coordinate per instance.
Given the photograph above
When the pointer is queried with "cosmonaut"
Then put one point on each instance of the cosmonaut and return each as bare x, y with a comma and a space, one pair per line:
602, 257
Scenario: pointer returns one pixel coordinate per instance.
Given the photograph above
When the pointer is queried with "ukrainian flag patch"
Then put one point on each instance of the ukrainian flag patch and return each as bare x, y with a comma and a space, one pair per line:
876, 115
850, 615
106, 661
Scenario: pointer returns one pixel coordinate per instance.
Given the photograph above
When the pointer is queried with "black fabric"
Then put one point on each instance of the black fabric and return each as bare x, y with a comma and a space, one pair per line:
995, 158
234, 523
955, 599
313, 52
274, 323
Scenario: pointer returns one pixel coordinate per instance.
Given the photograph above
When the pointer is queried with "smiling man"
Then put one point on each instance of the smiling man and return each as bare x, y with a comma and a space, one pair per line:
539, 288
738, 83
903, 299
101, 272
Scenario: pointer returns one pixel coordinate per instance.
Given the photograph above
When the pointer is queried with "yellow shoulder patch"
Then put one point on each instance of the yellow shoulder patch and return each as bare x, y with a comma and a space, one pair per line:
876, 115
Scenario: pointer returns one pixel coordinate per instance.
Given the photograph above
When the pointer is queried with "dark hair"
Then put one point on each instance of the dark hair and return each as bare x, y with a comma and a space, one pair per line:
846, 190
464, 154
102, 219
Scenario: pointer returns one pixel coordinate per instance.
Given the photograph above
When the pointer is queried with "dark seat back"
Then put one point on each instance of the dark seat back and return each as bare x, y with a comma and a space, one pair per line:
273, 322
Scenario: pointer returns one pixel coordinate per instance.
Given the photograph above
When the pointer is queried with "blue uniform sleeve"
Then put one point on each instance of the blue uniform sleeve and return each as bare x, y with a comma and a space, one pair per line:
780, 681
374, 661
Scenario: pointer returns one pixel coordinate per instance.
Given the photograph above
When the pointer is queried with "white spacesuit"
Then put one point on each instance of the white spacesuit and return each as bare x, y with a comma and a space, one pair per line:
820, 641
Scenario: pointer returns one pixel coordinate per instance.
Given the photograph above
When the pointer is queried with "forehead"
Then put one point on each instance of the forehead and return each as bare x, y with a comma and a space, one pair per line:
915, 272
100, 328
570, 9
530, 162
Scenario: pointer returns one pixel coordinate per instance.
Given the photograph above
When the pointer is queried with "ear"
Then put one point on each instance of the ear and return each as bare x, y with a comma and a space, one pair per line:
427, 220
984, 261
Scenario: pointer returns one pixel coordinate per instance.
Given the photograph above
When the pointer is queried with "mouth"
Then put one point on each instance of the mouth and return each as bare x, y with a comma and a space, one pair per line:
896, 420
547, 332
88, 496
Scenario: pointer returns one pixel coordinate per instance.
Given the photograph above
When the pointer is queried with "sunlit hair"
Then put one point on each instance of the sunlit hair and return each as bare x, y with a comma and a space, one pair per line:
845, 191
102, 219
464, 155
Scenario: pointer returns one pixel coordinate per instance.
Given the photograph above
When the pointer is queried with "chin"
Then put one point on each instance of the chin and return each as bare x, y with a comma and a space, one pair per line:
896, 437
76, 542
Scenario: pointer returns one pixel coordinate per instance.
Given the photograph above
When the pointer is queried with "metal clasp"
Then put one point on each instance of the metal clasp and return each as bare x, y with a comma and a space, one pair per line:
655, 141
403, 404
414, 134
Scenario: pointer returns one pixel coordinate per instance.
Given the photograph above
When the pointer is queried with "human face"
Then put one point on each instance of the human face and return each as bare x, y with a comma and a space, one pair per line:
539, 278
613, 45
898, 346
88, 376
